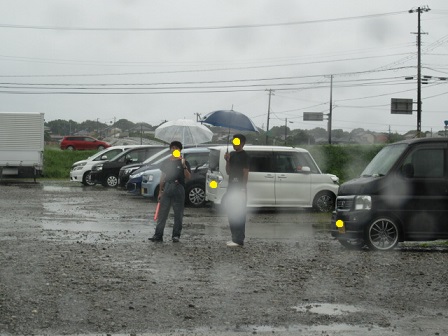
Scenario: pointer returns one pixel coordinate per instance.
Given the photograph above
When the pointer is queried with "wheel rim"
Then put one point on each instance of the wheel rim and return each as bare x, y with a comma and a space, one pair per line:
383, 234
196, 196
112, 181
325, 203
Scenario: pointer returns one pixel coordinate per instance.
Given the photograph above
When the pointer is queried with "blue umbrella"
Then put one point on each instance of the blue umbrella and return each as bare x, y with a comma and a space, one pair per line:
230, 119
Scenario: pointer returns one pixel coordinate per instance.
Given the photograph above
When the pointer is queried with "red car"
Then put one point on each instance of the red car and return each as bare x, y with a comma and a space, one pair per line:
82, 142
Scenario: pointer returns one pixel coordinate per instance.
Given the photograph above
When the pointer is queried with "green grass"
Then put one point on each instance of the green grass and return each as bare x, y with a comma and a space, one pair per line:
57, 163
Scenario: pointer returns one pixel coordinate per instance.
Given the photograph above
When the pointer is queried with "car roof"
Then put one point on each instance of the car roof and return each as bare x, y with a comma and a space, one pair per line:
261, 148
195, 150
422, 140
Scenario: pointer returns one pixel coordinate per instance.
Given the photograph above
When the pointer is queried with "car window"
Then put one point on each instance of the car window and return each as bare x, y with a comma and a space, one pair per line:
196, 159
110, 154
285, 163
261, 161
427, 162
213, 158
305, 160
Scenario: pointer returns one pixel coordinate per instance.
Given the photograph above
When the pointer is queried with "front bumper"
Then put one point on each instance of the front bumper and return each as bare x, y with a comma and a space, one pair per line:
76, 176
354, 223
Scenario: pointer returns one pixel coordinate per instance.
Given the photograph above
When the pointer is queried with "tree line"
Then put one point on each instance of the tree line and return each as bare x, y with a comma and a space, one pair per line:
277, 135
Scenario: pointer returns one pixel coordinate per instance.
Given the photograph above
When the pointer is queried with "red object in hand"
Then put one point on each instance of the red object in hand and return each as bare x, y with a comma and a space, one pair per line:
156, 215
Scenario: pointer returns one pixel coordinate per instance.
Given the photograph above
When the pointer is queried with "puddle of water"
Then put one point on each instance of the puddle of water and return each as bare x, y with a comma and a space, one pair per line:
327, 309
60, 188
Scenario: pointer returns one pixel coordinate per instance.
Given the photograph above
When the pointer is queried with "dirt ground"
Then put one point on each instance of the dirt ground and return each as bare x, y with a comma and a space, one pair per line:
76, 260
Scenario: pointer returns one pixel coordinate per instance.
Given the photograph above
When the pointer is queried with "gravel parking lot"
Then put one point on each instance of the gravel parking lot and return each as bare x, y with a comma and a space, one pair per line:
76, 260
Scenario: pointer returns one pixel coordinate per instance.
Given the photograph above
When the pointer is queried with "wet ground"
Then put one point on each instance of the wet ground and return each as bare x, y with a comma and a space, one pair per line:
76, 260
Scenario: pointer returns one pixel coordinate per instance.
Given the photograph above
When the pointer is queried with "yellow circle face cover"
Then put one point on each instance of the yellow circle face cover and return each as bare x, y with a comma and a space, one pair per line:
176, 153
213, 184
236, 141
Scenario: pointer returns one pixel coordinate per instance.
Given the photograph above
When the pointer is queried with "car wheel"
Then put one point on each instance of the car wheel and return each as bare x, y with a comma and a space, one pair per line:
70, 148
111, 181
100, 148
196, 195
382, 234
324, 201
352, 244
86, 180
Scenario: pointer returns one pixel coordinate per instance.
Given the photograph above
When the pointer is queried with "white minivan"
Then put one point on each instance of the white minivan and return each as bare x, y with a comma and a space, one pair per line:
278, 177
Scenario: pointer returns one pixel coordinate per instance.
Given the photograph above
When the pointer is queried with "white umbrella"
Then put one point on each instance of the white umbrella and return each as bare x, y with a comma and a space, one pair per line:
187, 131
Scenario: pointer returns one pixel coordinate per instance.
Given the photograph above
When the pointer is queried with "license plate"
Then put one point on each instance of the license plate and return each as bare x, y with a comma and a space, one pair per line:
341, 229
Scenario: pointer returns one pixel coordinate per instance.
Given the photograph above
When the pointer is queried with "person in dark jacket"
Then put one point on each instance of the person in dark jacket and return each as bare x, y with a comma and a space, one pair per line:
237, 167
175, 171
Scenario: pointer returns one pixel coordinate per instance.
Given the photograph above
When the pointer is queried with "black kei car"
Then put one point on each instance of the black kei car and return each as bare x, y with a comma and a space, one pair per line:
402, 195
106, 173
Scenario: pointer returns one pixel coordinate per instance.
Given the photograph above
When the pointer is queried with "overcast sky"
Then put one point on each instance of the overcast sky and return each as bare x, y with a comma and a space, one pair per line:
155, 60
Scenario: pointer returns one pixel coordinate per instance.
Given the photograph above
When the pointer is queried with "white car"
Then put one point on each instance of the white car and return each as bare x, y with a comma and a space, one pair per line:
80, 170
278, 177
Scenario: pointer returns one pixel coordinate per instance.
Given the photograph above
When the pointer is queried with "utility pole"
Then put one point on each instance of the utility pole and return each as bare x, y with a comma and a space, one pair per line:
286, 128
331, 109
269, 112
419, 10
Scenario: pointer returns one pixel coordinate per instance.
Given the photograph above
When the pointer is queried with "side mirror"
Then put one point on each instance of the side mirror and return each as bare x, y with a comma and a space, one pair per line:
303, 169
104, 157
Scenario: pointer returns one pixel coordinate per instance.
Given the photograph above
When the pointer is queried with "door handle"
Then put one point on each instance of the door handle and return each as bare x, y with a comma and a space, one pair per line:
269, 176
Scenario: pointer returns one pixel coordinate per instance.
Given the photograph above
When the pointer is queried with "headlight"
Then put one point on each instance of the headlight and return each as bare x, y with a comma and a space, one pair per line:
136, 175
78, 167
128, 171
363, 202
98, 167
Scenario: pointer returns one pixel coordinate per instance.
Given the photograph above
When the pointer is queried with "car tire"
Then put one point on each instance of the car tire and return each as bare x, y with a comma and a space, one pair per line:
86, 179
100, 148
324, 201
195, 195
382, 234
111, 181
70, 148
352, 244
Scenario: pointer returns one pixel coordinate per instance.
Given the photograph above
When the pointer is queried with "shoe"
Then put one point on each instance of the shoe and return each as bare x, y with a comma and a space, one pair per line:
175, 239
232, 244
156, 239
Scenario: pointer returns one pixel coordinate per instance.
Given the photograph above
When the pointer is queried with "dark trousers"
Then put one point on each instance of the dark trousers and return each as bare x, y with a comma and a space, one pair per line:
174, 195
235, 202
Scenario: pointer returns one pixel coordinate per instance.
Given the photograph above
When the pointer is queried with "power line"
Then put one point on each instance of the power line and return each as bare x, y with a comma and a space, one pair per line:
62, 28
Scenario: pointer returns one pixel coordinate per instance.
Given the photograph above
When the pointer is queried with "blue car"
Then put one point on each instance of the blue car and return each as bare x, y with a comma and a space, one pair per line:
195, 187
134, 184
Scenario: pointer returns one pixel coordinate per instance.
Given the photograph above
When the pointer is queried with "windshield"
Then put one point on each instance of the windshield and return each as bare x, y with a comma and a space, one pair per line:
384, 160
156, 156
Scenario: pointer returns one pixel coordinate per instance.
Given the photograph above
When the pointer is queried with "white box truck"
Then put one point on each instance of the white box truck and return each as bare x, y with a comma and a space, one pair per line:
21, 144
